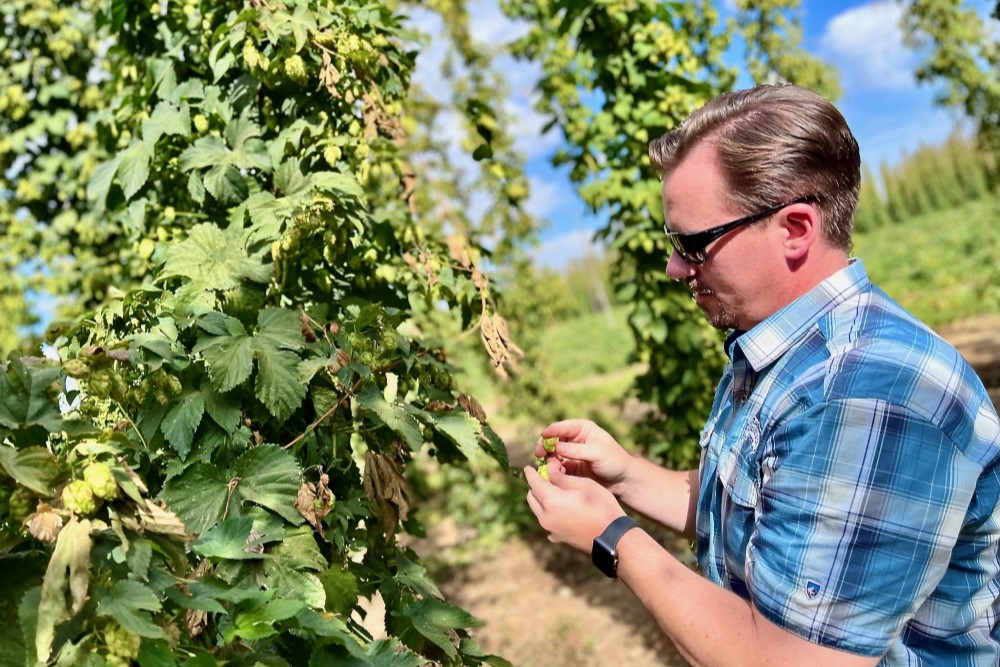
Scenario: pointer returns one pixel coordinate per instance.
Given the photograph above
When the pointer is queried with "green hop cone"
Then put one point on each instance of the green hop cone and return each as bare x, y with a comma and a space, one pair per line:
251, 56
101, 480
78, 498
77, 368
549, 444
295, 69
121, 642
332, 155
543, 471
200, 123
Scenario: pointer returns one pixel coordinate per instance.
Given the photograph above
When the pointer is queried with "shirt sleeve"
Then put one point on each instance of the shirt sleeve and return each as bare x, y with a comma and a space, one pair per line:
860, 504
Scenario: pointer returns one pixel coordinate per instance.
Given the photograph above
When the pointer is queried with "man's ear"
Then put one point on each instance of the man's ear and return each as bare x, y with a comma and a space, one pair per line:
801, 226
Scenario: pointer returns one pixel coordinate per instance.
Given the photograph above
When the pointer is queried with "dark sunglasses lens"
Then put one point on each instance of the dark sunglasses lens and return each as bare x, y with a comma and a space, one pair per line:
688, 255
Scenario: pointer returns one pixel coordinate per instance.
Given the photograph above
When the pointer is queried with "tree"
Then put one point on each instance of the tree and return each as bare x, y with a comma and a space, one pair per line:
961, 53
617, 74
226, 190
773, 35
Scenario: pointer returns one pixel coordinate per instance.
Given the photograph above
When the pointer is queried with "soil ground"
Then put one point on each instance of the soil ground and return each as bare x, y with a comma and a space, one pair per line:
543, 605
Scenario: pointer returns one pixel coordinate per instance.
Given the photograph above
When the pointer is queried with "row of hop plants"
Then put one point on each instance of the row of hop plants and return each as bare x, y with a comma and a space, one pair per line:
933, 178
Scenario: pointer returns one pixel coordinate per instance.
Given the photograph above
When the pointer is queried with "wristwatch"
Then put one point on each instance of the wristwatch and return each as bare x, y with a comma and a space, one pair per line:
604, 554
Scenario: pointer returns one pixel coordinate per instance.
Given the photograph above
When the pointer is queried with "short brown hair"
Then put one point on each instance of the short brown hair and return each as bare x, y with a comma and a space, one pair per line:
775, 143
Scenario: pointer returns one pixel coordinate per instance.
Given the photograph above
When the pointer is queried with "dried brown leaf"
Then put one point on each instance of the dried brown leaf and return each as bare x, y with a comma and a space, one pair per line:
458, 248
385, 485
472, 406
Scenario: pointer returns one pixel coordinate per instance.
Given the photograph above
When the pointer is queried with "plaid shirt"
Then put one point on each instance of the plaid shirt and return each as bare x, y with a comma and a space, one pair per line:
850, 485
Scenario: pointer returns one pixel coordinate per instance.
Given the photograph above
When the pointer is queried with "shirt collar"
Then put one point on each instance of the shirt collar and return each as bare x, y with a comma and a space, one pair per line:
768, 341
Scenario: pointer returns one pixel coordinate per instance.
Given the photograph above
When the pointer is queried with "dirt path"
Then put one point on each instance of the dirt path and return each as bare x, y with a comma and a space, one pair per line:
544, 605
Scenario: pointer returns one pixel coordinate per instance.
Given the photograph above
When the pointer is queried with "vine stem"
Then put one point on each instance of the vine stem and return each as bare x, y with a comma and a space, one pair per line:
326, 415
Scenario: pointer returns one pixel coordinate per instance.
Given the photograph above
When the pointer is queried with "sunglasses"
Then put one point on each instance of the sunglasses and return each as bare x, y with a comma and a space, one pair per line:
691, 247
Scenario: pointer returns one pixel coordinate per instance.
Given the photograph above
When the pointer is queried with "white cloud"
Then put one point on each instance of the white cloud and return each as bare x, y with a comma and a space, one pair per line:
489, 25
866, 43
561, 249
547, 195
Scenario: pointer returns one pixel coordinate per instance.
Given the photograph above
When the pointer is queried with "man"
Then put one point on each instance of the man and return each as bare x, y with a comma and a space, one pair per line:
846, 505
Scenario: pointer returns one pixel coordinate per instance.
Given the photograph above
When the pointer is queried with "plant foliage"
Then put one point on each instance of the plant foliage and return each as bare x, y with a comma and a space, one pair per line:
210, 465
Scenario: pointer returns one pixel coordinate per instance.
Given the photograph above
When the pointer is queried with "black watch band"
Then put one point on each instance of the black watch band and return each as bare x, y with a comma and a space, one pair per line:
604, 554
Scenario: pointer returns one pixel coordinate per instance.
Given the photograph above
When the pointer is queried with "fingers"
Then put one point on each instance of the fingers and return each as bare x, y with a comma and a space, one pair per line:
569, 430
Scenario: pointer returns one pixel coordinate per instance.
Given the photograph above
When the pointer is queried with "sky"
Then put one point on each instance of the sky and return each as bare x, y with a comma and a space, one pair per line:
888, 111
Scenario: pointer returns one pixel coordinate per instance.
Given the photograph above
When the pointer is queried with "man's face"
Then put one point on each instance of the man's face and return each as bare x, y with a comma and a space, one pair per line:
727, 285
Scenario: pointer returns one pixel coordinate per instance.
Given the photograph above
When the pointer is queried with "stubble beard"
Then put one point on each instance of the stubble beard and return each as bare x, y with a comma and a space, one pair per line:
723, 317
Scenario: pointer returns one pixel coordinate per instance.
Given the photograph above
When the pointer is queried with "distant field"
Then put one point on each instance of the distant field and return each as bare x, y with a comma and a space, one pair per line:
943, 267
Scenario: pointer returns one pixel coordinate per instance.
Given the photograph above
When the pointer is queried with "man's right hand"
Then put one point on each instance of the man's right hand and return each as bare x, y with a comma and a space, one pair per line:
587, 450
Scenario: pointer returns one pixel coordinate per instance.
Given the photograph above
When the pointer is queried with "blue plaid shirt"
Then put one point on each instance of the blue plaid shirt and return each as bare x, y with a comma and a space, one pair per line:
850, 485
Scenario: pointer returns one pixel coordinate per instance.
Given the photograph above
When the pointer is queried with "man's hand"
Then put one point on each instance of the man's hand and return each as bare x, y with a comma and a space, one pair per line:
571, 509
587, 450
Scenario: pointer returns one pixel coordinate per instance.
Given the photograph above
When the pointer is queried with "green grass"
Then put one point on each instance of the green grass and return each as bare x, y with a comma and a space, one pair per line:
942, 266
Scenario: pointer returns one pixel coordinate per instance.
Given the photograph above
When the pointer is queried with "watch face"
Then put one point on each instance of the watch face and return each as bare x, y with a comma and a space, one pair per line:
604, 558
604, 553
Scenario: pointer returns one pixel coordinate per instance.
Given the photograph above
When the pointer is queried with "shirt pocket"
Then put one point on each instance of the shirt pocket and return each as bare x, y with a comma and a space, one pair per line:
740, 472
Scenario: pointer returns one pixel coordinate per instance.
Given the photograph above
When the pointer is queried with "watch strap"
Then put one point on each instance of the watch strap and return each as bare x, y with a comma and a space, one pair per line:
604, 553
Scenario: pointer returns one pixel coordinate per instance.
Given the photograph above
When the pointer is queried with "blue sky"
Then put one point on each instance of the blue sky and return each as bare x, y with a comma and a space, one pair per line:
886, 108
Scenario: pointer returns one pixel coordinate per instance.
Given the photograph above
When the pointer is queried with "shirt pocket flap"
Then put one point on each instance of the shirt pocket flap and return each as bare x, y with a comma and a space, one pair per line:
740, 473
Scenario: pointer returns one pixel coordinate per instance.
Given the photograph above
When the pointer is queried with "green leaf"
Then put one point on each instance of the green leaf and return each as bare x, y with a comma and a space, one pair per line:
33, 467
222, 408
156, 653
460, 427
101, 180
278, 386
182, 421
280, 328
249, 152
495, 445
133, 170
211, 258
413, 574
287, 581
372, 400
198, 496
225, 183
207, 151
299, 549
24, 396
196, 188
482, 152
345, 184
342, 591
166, 120
435, 619
228, 539
229, 361
270, 477
262, 622
127, 602
69, 567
